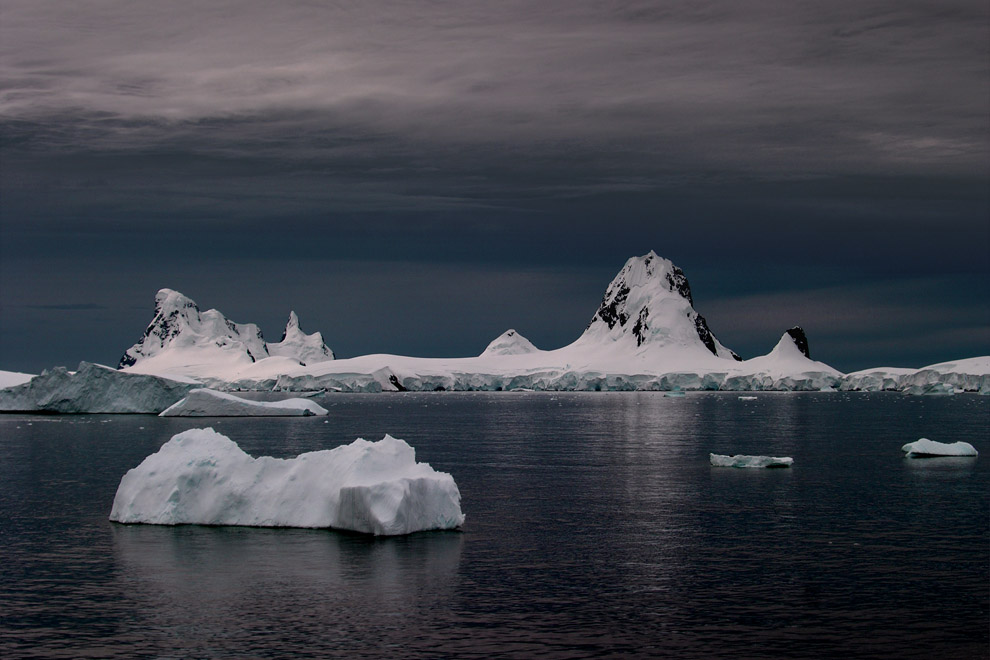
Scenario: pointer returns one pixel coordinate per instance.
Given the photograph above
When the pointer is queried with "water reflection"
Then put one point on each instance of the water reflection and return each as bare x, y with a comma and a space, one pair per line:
199, 586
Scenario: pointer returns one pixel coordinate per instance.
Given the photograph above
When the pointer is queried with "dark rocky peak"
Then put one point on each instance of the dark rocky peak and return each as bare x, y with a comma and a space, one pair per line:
800, 340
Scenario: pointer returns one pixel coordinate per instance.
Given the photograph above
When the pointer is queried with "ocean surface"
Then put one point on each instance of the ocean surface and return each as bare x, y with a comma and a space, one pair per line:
595, 528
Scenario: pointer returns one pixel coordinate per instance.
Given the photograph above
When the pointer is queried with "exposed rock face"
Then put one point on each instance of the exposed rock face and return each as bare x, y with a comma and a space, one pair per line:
178, 324
649, 302
800, 340
296, 344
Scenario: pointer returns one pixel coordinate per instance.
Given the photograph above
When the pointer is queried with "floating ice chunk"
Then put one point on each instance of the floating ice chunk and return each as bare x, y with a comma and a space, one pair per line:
94, 388
747, 398
202, 477
742, 461
924, 447
210, 403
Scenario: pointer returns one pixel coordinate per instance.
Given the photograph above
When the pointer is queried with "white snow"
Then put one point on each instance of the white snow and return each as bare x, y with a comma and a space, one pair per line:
94, 388
181, 340
925, 447
297, 345
743, 461
210, 403
202, 477
510, 342
11, 378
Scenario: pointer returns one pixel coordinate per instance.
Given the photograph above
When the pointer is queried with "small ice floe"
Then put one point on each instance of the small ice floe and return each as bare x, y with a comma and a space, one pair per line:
923, 448
747, 398
674, 393
743, 461
202, 477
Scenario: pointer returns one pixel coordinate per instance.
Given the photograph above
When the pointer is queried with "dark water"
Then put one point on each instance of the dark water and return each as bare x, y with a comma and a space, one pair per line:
595, 527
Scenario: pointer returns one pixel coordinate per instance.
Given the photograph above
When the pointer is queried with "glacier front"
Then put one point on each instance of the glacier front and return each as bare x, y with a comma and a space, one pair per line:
202, 477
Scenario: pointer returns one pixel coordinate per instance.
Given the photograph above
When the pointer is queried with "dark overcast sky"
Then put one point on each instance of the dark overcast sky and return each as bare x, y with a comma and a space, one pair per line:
417, 177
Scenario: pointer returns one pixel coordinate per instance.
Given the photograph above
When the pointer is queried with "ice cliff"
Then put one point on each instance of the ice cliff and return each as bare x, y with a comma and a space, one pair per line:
94, 388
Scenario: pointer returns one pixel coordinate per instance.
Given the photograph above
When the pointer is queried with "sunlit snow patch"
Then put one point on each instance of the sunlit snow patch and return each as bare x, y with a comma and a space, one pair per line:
742, 461
924, 447
210, 403
202, 477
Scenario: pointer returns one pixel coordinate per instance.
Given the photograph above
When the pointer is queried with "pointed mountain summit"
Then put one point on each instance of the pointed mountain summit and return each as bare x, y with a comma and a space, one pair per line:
510, 342
179, 325
296, 344
648, 305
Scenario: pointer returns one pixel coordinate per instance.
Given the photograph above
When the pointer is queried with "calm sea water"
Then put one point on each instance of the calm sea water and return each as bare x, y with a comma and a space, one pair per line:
595, 528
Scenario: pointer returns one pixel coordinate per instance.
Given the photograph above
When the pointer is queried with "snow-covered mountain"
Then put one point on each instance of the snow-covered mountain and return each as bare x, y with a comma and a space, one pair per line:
296, 344
649, 306
645, 335
183, 340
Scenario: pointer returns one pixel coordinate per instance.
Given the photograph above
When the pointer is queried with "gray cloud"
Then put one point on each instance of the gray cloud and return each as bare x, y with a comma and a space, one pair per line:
857, 87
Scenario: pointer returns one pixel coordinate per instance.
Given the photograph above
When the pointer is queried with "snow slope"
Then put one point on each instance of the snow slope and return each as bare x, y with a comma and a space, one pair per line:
210, 403
202, 477
297, 345
509, 342
11, 378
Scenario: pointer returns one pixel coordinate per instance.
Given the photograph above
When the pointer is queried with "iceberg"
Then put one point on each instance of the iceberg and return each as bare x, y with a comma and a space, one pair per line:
924, 447
201, 477
743, 461
210, 403
94, 388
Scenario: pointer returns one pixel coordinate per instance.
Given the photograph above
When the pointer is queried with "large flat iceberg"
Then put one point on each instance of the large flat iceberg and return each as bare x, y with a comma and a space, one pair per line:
210, 403
94, 388
743, 461
925, 447
202, 477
